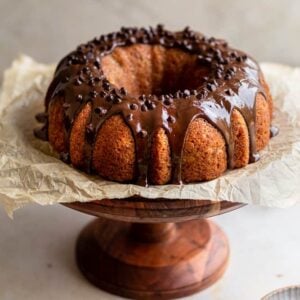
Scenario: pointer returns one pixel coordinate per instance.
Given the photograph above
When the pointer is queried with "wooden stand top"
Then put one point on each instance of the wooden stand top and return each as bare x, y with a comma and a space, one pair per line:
141, 210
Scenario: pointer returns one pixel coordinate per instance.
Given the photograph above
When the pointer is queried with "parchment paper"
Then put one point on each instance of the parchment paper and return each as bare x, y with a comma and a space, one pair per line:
30, 171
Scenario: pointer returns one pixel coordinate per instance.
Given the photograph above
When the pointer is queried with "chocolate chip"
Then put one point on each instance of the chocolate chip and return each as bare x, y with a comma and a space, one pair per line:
97, 64
93, 94
86, 70
117, 100
90, 76
224, 44
114, 92
187, 29
161, 98
132, 40
110, 36
103, 94
129, 117
217, 53
201, 95
219, 75
227, 77
168, 101
211, 87
162, 41
222, 61
142, 133
106, 84
230, 72
75, 61
225, 61
104, 38
143, 40
144, 107
123, 92
178, 94
96, 41
188, 46
220, 68
79, 98
97, 110
186, 93
90, 55
133, 106
171, 119
160, 28
65, 79
100, 111
91, 82
233, 54
204, 60
151, 105
78, 81
143, 97
89, 128
109, 98
229, 92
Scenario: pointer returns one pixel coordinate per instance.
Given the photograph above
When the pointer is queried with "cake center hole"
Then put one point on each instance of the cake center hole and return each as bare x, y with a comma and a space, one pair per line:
153, 69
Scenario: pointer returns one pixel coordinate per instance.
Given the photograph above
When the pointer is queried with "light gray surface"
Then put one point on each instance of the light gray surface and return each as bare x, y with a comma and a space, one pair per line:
37, 254
47, 30
36, 249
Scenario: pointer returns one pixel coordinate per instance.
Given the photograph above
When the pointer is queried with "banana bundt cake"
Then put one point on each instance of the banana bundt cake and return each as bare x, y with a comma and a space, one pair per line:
151, 106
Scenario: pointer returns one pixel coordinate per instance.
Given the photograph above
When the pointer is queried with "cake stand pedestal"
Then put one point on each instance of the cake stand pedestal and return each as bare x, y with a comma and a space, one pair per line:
152, 248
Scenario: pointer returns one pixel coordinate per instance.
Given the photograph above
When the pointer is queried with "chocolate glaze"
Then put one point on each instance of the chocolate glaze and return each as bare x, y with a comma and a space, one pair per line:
273, 131
232, 83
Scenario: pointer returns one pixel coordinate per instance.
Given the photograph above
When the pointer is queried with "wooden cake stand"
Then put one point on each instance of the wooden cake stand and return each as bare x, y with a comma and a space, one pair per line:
152, 248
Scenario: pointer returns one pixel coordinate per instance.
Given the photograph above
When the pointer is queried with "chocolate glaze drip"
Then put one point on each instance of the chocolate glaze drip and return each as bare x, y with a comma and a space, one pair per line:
273, 131
232, 83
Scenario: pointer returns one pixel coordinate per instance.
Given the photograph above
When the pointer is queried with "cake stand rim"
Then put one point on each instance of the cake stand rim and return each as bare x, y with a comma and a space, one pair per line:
142, 210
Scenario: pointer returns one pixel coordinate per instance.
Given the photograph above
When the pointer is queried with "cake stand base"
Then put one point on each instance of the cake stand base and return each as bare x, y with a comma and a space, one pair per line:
152, 261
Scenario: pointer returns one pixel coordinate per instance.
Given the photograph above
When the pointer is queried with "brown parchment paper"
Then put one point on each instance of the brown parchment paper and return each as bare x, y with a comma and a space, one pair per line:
30, 171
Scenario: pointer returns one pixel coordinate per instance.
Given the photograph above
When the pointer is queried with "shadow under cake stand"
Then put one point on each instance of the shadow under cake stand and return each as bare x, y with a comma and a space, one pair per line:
152, 248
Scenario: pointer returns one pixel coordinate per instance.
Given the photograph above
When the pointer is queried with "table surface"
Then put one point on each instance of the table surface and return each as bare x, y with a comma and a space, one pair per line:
37, 248
47, 30
37, 254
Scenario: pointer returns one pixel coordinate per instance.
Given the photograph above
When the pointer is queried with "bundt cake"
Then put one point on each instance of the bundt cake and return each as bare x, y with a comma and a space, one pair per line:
151, 106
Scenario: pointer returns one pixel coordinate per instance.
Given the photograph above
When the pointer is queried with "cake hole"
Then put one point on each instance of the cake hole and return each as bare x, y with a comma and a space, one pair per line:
153, 69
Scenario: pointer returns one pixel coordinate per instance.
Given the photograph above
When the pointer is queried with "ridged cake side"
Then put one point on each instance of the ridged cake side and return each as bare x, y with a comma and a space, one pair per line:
204, 152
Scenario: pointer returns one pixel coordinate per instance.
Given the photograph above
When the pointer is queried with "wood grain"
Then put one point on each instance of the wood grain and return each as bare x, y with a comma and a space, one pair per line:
156, 261
137, 209
152, 248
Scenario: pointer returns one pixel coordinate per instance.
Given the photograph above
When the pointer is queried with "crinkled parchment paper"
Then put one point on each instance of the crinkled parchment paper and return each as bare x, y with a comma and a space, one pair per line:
30, 171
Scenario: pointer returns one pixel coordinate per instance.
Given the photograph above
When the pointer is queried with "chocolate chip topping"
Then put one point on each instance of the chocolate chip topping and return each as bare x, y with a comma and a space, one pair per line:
233, 82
